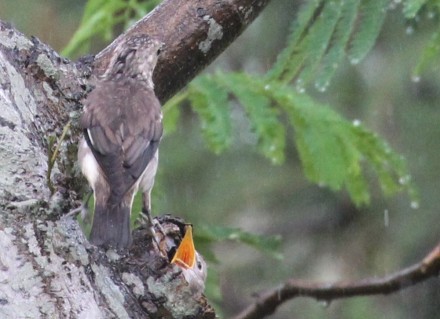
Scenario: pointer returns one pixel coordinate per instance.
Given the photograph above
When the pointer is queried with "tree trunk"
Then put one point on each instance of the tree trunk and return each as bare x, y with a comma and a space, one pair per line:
47, 267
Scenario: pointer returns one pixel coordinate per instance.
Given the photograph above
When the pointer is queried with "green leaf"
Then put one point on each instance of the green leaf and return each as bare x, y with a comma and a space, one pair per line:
340, 38
321, 137
284, 68
321, 36
99, 19
357, 187
171, 112
210, 102
334, 152
332, 149
270, 245
213, 290
412, 7
389, 166
262, 115
318, 40
370, 23
429, 56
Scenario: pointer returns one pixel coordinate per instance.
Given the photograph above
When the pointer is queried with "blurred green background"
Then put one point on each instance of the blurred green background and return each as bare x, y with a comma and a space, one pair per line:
325, 237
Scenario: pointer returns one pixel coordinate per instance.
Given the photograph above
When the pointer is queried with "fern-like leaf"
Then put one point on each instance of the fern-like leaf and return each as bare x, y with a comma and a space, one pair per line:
263, 117
99, 19
270, 245
318, 41
412, 7
210, 102
332, 150
340, 39
429, 56
320, 38
171, 112
372, 17
283, 68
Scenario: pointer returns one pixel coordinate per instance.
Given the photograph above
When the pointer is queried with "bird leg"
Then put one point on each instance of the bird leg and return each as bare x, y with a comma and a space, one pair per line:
83, 209
146, 216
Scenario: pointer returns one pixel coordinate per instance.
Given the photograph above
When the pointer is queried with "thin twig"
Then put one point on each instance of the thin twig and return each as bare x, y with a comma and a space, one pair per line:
268, 302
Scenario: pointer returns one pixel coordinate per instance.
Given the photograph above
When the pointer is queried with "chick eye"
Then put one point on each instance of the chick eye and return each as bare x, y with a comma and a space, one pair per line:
199, 265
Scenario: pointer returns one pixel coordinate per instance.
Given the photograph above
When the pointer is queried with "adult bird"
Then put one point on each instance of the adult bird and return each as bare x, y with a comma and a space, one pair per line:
122, 123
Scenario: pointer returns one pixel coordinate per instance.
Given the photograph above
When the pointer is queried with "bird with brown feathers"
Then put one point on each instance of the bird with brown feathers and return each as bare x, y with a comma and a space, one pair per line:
122, 123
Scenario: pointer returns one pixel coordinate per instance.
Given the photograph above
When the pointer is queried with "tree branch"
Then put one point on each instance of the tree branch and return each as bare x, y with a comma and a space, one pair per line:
194, 33
267, 303
47, 267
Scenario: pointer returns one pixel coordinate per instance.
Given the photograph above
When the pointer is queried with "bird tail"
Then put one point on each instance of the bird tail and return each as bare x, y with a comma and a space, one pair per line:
111, 225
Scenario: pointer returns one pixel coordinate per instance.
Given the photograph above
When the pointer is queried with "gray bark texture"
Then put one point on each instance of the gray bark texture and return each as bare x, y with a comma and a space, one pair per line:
48, 269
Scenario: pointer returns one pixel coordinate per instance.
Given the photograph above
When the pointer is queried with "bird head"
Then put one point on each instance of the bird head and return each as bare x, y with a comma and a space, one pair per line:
135, 57
191, 262
177, 241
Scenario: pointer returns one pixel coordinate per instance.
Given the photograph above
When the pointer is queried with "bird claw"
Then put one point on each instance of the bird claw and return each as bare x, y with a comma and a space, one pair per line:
79, 210
82, 209
154, 229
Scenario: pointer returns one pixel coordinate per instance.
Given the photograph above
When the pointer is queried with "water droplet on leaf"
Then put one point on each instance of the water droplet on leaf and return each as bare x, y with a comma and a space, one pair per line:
300, 89
354, 61
300, 86
324, 303
356, 123
403, 180
414, 204
415, 78
321, 87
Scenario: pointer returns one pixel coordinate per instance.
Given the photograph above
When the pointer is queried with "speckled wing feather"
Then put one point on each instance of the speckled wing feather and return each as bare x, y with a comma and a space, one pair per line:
122, 139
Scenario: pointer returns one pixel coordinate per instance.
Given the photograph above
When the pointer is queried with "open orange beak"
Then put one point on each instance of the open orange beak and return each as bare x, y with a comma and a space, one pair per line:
185, 256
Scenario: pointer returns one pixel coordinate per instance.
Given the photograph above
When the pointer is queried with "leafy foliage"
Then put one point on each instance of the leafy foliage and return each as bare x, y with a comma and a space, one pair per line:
430, 55
332, 149
373, 14
412, 7
341, 35
100, 18
210, 102
268, 244
322, 34
172, 112
412, 10
263, 117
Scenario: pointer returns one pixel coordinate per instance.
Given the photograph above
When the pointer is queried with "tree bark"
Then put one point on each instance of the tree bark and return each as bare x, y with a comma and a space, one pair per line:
194, 35
47, 267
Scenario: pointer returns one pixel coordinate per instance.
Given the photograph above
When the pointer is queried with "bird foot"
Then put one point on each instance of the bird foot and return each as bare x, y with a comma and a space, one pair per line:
155, 231
82, 209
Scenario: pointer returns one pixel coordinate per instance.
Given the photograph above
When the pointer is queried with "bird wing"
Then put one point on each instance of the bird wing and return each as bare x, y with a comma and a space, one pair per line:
123, 128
